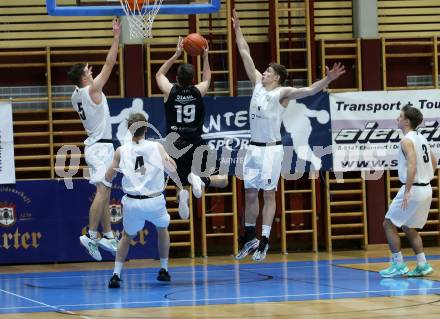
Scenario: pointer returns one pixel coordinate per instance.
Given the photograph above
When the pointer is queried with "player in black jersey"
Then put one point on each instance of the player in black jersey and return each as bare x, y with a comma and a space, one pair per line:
185, 113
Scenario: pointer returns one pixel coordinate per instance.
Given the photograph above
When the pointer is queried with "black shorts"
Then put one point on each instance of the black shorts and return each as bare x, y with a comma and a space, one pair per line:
195, 159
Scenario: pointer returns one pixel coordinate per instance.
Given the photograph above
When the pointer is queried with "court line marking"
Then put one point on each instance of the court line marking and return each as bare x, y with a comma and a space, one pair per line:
244, 298
43, 305
316, 264
59, 309
132, 271
23, 307
109, 271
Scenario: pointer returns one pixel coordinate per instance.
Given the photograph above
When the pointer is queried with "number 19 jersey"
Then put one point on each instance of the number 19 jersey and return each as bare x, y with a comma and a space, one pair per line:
185, 111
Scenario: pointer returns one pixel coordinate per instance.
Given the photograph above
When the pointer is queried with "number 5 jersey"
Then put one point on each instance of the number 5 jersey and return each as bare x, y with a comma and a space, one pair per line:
94, 117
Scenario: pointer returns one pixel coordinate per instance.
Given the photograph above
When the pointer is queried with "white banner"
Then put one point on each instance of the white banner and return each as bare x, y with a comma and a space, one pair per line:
7, 164
364, 126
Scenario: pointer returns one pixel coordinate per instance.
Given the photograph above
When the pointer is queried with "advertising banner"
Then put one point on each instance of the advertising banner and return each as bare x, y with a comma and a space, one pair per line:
305, 129
7, 163
364, 127
41, 221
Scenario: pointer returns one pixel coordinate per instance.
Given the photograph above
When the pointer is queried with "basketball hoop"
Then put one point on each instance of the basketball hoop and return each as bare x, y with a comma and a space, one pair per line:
140, 15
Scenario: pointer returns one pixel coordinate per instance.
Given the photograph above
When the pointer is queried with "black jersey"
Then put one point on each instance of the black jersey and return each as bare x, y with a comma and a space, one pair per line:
185, 111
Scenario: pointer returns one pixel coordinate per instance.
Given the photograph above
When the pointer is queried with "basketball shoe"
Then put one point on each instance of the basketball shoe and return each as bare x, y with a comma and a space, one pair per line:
91, 246
260, 253
115, 281
163, 275
248, 247
183, 204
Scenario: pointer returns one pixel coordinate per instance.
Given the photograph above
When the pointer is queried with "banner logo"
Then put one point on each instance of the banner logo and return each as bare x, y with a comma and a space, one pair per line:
115, 211
8, 216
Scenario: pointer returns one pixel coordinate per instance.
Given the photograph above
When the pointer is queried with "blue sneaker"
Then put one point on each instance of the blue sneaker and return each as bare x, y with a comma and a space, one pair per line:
421, 271
394, 270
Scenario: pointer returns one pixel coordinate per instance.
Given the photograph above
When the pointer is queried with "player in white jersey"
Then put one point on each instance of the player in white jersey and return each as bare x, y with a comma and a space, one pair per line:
262, 163
91, 104
410, 208
142, 164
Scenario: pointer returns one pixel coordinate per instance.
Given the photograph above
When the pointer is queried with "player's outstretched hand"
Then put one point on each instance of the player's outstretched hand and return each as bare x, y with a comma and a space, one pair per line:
235, 20
206, 50
337, 70
116, 27
179, 47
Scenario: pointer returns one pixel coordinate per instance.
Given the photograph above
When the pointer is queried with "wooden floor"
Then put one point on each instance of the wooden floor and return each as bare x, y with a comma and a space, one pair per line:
420, 305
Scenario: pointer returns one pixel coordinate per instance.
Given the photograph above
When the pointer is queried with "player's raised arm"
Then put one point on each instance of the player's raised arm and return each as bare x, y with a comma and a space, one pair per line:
291, 93
206, 80
95, 90
252, 73
162, 81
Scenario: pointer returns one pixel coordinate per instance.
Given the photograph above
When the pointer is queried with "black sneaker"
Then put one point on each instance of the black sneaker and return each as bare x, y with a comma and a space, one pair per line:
114, 281
163, 275
260, 253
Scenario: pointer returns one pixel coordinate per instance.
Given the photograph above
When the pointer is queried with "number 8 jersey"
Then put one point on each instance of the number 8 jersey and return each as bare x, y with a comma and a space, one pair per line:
185, 111
94, 117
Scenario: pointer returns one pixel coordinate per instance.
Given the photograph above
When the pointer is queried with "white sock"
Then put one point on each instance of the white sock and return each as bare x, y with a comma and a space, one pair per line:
118, 268
164, 263
93, 234
421, 259
249, 225
398, 257
266, 230
109, 235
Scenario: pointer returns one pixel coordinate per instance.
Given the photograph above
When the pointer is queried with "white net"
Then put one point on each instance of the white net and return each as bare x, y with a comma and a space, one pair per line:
140, 15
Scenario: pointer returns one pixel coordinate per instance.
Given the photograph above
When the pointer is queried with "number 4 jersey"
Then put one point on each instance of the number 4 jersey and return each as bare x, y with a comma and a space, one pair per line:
142, 167
424, 172
94, 117
185, 111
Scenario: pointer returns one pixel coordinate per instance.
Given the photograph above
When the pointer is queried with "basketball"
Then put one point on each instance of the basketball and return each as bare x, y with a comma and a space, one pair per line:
194, 44
136, 4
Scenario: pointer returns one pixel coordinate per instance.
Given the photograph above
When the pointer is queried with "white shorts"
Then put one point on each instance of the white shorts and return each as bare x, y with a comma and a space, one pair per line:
136, 211
262, 167
99, 157
416, 213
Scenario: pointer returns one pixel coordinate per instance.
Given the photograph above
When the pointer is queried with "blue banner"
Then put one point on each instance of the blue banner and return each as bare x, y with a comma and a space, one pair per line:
305, 131
41, 221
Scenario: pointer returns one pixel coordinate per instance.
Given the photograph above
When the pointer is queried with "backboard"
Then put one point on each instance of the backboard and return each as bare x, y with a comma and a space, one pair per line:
113, 7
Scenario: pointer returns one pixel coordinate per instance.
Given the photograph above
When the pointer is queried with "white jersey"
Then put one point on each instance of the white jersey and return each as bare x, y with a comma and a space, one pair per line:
142, 167
265, 114
424, 172
94, 117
